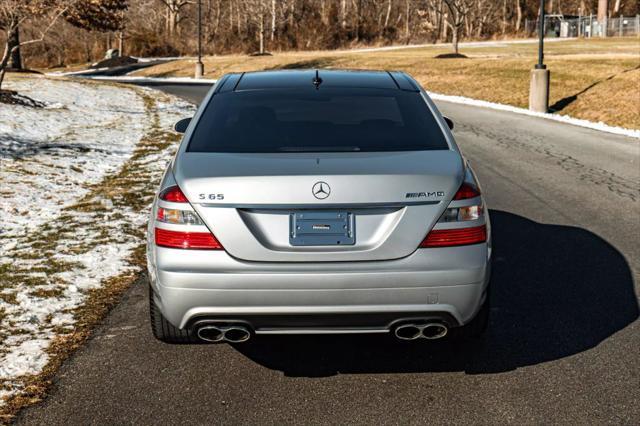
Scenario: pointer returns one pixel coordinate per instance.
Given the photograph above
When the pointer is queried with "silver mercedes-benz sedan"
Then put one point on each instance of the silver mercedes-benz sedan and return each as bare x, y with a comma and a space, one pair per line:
318, 202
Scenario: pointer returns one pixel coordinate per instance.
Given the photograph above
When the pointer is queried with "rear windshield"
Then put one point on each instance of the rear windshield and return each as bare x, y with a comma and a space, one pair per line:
325, 120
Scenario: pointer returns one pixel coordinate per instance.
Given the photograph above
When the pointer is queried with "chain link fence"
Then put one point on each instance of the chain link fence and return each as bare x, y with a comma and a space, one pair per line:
586, 26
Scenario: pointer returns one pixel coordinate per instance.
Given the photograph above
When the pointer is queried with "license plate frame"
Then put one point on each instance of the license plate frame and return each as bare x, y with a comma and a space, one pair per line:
322, 228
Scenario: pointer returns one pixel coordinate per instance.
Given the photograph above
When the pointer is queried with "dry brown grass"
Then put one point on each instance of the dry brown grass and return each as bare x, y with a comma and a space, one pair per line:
602, 75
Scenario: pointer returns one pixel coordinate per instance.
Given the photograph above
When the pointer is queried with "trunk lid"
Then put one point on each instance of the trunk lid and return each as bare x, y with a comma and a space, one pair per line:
249, 200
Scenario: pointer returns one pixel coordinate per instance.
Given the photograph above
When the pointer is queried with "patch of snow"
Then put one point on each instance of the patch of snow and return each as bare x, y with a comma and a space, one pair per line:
72, 73
162, 58
50, 157
26, 358
634, 133
153, 80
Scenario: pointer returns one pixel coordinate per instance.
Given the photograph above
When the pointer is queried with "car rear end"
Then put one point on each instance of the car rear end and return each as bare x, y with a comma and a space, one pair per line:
298, 206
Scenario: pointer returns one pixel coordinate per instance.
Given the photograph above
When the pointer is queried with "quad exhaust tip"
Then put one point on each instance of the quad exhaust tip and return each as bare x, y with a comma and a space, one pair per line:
223, 333
429, 331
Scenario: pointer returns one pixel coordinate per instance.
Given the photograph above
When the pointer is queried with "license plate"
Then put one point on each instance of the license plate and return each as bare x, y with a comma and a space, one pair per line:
322, 228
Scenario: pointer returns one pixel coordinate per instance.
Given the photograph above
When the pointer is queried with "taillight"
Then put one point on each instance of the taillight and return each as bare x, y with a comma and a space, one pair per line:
455, 237
173, 194
455, 213
466, 191
187, 240
190, 232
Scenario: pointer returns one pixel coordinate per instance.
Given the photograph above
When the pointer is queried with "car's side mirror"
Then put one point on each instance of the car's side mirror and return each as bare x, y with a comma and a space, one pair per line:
449, 122
181, 126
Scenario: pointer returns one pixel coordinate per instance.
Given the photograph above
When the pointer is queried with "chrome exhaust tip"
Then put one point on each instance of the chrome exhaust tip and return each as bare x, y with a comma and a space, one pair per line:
434, 330
408, 332
223, 333
429, 331
210, 333
236, 334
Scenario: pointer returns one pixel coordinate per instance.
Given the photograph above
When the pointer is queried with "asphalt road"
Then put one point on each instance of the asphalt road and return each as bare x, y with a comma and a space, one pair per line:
564, 339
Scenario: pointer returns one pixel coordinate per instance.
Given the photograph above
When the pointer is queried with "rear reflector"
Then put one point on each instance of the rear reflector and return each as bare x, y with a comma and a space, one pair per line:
187, 240
455, 237
466, 191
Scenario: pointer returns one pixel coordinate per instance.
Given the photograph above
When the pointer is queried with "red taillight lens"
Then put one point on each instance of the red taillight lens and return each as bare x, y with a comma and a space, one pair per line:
187, 240
173, 194
466, 191
455, 237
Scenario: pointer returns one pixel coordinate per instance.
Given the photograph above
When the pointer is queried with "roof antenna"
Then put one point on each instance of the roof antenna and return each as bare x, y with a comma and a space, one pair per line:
317, 80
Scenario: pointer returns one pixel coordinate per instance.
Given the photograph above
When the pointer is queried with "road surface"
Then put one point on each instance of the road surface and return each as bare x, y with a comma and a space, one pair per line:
564, 339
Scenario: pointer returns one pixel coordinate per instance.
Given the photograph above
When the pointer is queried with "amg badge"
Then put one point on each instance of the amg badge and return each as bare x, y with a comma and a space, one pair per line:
425, 194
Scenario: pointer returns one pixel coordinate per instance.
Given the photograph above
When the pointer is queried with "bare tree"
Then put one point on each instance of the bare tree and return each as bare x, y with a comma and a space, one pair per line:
258, 12
388, 14
343, 14
518, 15
174, 15
14, 13
457, 11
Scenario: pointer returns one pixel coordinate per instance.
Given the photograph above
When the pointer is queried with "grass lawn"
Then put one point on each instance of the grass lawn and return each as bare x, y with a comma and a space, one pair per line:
597, 80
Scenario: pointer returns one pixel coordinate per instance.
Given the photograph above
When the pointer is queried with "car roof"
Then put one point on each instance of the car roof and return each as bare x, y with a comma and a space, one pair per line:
320, 78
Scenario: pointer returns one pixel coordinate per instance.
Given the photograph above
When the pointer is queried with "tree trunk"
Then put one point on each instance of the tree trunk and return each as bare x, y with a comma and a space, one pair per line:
358, 19
518, 15
454, 38
445, 27
121, 43
603, 8
262, 33
406, 19
216, 28
386, 18
172, 22
7, 53
273, 20
504, 17
343, 14
15, 60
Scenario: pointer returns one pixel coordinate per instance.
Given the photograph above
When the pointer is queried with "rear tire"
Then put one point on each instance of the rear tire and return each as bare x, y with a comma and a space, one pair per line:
163, 330
478, 325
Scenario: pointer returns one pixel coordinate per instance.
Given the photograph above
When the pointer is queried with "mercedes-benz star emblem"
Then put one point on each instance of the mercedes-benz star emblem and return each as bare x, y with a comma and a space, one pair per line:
321, 190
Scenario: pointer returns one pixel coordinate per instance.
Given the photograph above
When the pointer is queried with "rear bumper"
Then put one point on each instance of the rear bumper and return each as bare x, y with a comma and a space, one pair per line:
445, 283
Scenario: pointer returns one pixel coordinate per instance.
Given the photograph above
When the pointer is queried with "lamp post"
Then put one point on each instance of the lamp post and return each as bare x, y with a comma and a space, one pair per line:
539, 88
199, 64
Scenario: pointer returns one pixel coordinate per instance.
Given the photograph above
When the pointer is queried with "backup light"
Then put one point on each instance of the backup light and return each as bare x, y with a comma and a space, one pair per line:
462, 214
178, 217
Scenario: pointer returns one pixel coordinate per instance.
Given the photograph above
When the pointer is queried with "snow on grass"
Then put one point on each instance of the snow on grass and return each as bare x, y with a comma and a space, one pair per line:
51, 156
153, 80
77, 181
